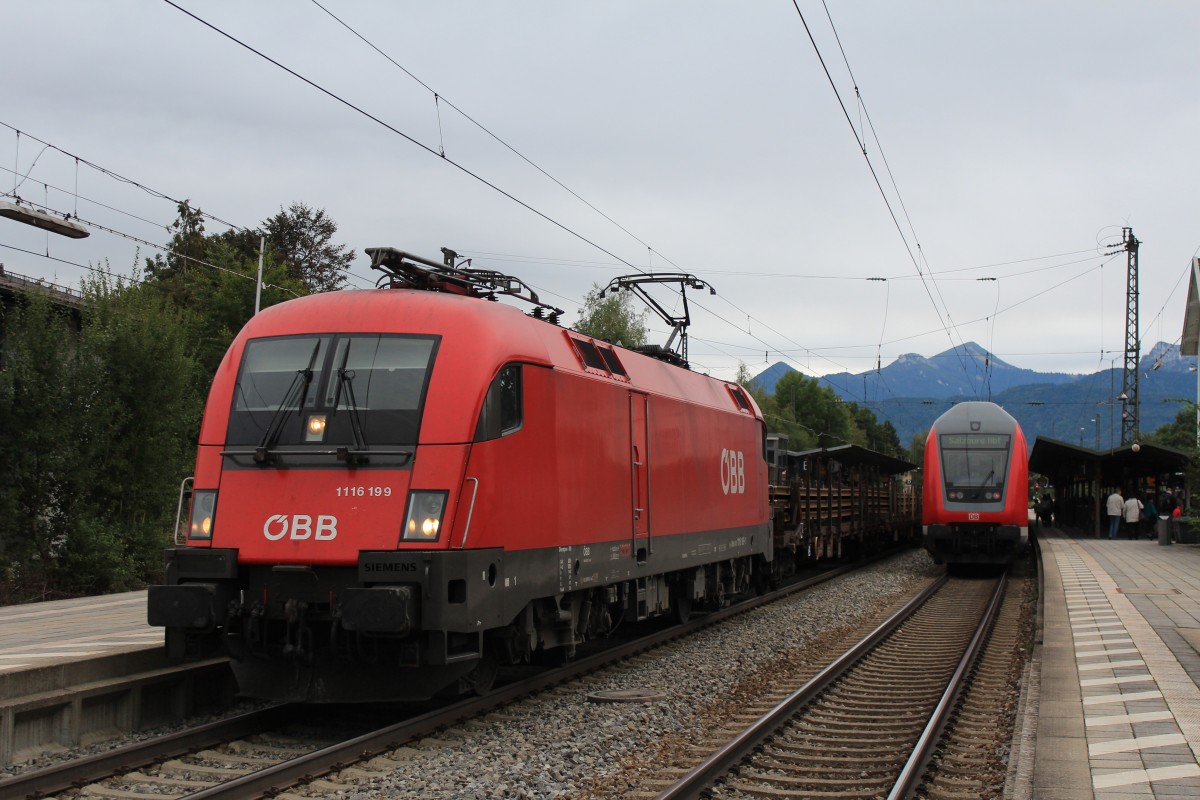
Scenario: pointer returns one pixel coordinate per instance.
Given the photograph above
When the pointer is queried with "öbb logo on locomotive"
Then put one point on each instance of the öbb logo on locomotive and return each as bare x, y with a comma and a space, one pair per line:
733, 472
300, 526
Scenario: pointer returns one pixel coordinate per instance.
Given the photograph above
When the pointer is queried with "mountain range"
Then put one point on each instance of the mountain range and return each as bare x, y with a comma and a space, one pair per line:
913, 391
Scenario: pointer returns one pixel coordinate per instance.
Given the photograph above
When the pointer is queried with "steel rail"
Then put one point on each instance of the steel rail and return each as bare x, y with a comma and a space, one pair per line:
702, 777
914, 769
273, 780
91, 769
82, 771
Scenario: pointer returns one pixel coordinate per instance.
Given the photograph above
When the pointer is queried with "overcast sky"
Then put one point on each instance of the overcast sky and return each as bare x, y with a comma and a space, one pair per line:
1021, 136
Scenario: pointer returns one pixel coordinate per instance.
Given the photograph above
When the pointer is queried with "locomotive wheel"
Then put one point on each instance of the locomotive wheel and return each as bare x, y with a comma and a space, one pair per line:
683, 608
480, 680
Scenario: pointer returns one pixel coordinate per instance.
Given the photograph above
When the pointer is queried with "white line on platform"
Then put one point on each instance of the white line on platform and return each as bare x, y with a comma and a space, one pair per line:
1130, 777
1128, 719
1147, 678
1134, 745
1124, 697
1132, 662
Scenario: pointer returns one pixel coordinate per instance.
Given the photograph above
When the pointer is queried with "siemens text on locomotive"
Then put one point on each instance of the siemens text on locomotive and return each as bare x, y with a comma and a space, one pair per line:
975, 507
398, 490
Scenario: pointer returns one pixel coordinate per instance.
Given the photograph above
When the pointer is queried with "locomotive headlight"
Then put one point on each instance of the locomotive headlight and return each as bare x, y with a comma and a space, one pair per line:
315, 430
204, 506
424, 521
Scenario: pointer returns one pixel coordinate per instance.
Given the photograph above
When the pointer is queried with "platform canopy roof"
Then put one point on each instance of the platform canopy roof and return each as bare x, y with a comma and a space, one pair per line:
1055, 458
853, 454
1191, 317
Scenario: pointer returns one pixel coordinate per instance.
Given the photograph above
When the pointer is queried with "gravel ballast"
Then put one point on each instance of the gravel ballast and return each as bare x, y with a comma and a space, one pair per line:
561, 744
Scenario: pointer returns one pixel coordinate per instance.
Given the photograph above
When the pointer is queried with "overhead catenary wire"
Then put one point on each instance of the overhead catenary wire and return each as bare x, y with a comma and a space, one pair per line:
357, 109
118, 177
441, 154
800, 336
891, 211
841, 276
166, 250
438, 97
123, 179
87, 267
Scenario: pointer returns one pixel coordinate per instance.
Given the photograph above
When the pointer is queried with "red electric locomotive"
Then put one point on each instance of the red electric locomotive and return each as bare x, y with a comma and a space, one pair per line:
976, 493
399, 489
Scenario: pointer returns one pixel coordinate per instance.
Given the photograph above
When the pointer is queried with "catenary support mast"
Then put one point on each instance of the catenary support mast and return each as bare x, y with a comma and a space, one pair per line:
1129, 387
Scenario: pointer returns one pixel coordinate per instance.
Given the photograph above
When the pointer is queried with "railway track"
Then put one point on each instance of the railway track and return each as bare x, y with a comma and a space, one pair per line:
867, 725
970, 763
264, 753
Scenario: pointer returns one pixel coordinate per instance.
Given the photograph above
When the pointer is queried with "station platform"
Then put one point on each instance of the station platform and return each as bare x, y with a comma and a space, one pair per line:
83, 670
1114, 705
52, 646
42, 635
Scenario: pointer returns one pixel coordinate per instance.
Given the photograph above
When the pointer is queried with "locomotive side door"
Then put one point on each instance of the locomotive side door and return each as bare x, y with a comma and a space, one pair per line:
639, 418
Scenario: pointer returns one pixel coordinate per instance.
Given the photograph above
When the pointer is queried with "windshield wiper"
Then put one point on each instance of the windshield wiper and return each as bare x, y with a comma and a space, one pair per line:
346, 381
300, 384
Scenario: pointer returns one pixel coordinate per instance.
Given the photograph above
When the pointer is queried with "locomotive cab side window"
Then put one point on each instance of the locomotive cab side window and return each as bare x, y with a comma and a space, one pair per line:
611, 361
591, 355
598, 357
739, 397
503, 407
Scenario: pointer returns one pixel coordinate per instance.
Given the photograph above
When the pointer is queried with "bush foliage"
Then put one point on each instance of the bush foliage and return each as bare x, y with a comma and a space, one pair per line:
100, 406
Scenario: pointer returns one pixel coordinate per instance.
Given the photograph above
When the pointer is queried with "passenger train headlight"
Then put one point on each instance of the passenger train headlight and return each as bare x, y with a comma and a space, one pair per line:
424, 521
315, 429
204, 507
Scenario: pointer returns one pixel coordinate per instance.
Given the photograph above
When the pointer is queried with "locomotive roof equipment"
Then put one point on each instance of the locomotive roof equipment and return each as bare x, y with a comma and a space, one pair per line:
408, 271
678, 322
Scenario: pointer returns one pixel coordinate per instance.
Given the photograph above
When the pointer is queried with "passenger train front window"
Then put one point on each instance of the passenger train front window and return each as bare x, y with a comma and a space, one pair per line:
503, 407
975, 466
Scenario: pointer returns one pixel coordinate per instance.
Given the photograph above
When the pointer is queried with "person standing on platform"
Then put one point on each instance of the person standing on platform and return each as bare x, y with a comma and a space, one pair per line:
1115, 506
1045, 510
1169, 503
1133, 516
1150, 515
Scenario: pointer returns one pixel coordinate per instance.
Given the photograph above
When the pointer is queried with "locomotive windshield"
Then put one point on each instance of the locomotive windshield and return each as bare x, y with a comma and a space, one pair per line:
353, 390
975, 465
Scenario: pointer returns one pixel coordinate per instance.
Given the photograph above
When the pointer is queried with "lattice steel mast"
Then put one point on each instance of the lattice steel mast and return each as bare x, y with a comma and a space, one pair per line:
1129, 386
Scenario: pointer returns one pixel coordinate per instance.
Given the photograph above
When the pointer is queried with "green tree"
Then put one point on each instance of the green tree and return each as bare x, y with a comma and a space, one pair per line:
916, 447
744, 377
302, 238
216, 286
173, 270
1180, 434
136, 401
813, 414
613, 318
37, 453
882, 438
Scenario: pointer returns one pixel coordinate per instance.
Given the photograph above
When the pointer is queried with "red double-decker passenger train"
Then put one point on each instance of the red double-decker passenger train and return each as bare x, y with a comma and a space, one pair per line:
975, 507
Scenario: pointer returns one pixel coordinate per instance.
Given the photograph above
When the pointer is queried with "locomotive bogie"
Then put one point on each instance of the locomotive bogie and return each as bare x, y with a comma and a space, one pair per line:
975, 543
